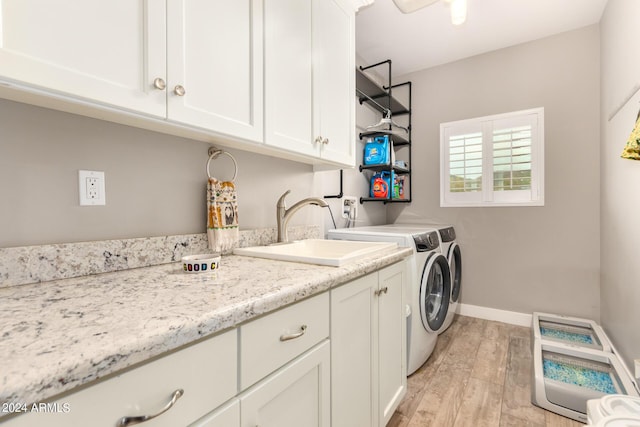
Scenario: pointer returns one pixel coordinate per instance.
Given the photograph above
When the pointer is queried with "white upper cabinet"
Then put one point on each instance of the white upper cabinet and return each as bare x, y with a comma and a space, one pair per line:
215, 56
289, 76
109, 52
334, 79
276, 76
309, 78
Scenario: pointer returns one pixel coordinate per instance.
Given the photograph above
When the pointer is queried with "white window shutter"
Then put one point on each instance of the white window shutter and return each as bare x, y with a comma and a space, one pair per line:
493, 161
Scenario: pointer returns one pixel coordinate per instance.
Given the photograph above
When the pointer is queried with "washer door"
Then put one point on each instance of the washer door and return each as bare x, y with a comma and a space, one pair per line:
455, 265
435, 290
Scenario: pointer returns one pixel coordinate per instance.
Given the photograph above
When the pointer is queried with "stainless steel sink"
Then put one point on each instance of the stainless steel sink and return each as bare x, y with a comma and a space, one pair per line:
334, 253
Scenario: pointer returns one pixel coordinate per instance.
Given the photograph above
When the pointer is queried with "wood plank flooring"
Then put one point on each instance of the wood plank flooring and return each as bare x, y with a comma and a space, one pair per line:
478, 375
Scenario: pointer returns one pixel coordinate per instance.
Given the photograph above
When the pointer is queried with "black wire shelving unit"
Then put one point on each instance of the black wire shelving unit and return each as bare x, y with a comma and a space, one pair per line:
381, 98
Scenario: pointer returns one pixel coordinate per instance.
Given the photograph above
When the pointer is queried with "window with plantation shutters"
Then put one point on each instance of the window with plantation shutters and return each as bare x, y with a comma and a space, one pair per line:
465, 161
493, 161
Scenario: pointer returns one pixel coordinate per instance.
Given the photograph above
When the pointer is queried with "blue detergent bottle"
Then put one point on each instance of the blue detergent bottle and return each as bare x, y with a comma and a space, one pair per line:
376, 151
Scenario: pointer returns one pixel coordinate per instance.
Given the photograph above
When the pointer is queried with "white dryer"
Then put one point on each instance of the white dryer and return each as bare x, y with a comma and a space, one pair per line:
450, 248
428, 286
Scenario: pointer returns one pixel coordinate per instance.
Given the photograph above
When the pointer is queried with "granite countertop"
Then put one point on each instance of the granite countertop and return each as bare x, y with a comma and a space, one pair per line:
62, 334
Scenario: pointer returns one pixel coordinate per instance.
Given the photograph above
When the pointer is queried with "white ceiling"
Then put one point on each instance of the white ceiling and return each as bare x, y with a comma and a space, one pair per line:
427, 38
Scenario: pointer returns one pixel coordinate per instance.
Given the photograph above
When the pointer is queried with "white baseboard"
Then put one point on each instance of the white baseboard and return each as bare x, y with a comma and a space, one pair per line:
512, 317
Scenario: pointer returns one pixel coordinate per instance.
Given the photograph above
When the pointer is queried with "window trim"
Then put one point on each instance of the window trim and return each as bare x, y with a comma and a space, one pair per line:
487, 196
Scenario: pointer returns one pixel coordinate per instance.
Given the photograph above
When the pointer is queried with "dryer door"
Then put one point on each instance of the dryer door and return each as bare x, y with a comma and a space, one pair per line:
455, 265
435, 290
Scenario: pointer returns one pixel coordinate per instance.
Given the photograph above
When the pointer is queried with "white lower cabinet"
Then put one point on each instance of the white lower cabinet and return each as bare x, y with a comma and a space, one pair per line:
286, 355
392, 341
368, 348
268, 343
206, 372
226, 416
297, 395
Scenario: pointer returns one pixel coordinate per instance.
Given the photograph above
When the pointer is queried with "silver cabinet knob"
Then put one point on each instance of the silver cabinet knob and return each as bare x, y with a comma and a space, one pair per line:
159, 83
318, 139
325, 141
179, 90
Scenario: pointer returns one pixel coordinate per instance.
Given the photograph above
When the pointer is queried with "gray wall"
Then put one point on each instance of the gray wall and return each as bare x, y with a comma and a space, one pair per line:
620, 232
521, 259
155, 183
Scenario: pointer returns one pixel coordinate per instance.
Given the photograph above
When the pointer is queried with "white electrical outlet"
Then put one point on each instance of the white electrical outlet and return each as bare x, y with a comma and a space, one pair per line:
349, 207
91, 188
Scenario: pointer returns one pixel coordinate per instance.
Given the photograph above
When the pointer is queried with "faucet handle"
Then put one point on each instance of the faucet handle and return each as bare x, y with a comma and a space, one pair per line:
281, 199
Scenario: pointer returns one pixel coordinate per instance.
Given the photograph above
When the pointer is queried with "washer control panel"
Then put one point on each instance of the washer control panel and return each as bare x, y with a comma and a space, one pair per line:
447, 234
426, 241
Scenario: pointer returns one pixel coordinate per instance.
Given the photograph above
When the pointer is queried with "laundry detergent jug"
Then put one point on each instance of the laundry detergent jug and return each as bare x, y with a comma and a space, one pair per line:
376, 151
380, 184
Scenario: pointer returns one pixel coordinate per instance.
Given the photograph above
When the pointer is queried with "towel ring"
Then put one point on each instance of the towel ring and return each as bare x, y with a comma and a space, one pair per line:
213, 154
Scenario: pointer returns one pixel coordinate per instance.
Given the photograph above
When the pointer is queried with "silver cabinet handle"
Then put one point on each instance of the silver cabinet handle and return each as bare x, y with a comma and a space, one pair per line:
288, 337
159, 83
325, 141
129, 421
318, 140
381, 291
179, 90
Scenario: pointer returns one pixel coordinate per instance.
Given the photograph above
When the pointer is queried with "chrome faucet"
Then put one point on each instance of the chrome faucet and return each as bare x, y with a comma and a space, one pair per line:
284, 214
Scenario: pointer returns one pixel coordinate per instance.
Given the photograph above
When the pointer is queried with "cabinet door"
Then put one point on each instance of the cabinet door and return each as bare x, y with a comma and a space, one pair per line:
334, 79
206, 372
288, 76
226, 416
109, 52
263, 349
215, 54
353, 359
297, 395
392, 340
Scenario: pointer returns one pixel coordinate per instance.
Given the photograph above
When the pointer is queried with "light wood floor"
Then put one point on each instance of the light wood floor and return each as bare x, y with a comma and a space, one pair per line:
478, 375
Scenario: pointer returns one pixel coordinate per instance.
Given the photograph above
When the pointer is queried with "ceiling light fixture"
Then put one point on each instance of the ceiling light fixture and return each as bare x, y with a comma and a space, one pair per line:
458, 8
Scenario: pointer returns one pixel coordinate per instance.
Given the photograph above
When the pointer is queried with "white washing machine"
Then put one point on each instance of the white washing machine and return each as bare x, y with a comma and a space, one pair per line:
428, 286
450, 249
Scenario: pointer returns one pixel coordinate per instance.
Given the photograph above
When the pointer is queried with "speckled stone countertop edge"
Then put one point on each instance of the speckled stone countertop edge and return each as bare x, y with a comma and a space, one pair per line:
40, 357
44, 263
